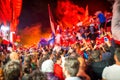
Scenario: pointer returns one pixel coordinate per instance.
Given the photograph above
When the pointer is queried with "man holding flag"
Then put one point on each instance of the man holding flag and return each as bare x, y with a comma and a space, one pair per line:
57, 34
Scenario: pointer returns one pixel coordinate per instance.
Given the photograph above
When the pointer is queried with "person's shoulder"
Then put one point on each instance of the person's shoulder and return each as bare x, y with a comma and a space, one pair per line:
56, 65
114, 66
107, 68
49, 61
73, 78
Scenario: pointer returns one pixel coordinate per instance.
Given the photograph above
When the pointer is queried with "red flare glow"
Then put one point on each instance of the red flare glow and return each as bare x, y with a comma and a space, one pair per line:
32, 35
69, 14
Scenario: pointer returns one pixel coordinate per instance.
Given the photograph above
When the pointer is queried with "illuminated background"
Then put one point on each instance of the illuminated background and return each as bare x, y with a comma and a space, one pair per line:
34, 19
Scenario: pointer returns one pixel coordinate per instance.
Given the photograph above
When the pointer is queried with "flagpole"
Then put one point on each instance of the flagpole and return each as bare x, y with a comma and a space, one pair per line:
52, 23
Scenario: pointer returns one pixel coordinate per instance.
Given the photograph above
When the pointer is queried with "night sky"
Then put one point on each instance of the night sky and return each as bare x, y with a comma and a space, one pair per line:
36, 11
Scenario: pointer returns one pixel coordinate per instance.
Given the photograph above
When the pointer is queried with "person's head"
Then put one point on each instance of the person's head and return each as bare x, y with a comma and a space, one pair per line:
95, 55
27, 63
12, 70
117, 55
51, 56
27, 70
27, 60
107, 49
38, 75
14, 56
58, 59
71, 66
77, 45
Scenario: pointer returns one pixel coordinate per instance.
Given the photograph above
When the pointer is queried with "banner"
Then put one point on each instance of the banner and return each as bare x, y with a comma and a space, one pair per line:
116, 21
52, 22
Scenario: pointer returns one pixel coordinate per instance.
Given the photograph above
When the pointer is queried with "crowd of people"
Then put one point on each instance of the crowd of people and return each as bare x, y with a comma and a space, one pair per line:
79, 53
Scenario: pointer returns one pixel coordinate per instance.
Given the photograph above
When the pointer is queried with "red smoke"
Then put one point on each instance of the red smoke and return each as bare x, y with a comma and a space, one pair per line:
32, 35
69, 14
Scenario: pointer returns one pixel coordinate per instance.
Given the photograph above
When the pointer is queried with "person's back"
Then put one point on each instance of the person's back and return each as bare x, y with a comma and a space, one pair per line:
71, 68
98, 65
57, 68
97, 68
106, 55
25, 77
113, 72
37, 75
101, 17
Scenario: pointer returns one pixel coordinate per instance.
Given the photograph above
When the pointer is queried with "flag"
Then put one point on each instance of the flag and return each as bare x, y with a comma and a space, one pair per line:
116, 22
86, 12
85, 21
51, 41
52, 22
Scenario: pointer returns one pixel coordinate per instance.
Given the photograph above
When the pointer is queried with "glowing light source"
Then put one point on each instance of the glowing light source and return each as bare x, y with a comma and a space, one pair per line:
11, 36
5, 28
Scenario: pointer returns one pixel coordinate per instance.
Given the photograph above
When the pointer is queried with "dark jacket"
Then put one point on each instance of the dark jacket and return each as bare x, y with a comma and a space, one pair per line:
96, 68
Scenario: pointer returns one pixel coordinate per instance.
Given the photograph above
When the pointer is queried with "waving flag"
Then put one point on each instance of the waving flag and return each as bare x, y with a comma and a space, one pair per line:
52, 22
116, 21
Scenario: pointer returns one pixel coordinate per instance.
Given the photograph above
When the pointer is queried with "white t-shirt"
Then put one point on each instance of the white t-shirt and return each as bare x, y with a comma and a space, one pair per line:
47, 66
111, 72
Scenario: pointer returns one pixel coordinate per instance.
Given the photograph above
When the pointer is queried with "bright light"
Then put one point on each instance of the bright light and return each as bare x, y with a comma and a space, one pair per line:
5, 28
4, 31
11, 36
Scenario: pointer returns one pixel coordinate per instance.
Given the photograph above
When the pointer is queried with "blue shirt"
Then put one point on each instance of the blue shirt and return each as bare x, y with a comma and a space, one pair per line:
101, 18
